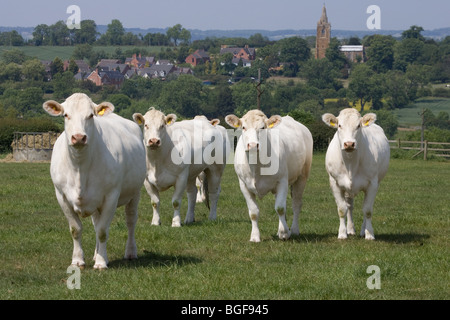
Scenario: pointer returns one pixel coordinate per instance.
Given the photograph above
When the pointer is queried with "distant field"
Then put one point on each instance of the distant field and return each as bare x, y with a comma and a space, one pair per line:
409, 116
64, 53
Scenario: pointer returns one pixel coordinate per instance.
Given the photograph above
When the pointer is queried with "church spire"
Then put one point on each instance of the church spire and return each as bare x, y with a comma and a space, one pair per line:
323, 18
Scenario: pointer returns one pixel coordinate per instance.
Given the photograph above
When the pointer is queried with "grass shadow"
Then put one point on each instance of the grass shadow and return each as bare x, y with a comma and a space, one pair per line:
308, 237
154, 260
402, 238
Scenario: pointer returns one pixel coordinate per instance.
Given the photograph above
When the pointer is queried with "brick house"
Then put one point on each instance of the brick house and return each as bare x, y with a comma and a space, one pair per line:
200, 56
137, 61
101, 78
245, 54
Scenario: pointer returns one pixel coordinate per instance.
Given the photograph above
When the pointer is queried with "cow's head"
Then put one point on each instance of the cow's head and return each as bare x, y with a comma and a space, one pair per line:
252, 124
154, 123
79, 112
349, 124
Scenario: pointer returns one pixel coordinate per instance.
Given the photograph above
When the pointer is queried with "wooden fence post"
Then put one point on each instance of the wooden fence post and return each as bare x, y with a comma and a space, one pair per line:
425, 150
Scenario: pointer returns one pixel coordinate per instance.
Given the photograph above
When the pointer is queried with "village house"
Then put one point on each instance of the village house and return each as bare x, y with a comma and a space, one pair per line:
246, 55
200, 56
137, 61
83, 67
111, 78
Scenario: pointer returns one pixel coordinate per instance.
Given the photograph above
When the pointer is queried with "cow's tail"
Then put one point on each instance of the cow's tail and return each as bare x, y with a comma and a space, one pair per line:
206, 192
203, 191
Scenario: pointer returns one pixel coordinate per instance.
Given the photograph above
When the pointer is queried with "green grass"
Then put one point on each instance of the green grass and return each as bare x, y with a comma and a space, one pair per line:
410, 115
215, 260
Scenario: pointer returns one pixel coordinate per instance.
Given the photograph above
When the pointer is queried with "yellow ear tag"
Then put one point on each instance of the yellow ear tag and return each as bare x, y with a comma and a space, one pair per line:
366, 123
271, 125
332, 123
169, 122
101, 112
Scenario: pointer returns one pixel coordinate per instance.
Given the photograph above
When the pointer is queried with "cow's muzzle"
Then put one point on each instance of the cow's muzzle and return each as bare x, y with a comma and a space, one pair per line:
349, 146
79, 140
154, 143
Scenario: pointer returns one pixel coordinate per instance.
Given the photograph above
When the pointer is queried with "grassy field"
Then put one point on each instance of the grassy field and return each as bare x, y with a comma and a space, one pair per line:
215, 260
410, 115
64, 53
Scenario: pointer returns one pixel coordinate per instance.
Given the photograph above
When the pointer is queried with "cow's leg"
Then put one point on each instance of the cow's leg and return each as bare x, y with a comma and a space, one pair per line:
76, 228
280, 208
369, 200
180, 187
350, 225
339, 197
214, 176
253, 211
131, 216
154, 197
191, 190
297, 194
102, 220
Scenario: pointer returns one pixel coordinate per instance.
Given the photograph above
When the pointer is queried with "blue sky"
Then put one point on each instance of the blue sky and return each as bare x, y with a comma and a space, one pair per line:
231, 14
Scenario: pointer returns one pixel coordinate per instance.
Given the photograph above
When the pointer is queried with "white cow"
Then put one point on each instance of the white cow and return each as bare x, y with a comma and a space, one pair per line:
177, 152
356, 160
98, 164
290, 146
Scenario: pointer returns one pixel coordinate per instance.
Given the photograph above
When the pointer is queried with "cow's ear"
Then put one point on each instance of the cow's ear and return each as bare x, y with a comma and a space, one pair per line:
273, 121
368, 119
330, 120
233, 121
215, 122
104, 108
53, 108
170, 119
138, 118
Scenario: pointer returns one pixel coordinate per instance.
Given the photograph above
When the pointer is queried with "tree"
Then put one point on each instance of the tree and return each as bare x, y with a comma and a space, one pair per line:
13, 56
114, 33
397, 89
41, 34
73, 67
11, 38
335, 56
183, 95
63, 84
177, 32
57, 66
380, 52
33, 70
320, 74
407, 52
362, 86
413, 33
87, 34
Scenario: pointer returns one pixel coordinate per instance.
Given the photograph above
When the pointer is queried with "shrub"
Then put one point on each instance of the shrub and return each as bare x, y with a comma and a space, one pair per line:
10, 125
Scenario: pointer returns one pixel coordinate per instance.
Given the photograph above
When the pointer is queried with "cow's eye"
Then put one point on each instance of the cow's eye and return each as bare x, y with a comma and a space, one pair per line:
66, 116
339, 126
244, 128
146, 126
91, 116
359, 126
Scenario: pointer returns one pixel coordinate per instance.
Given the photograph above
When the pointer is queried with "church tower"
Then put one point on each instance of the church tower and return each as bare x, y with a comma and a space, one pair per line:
323, 34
